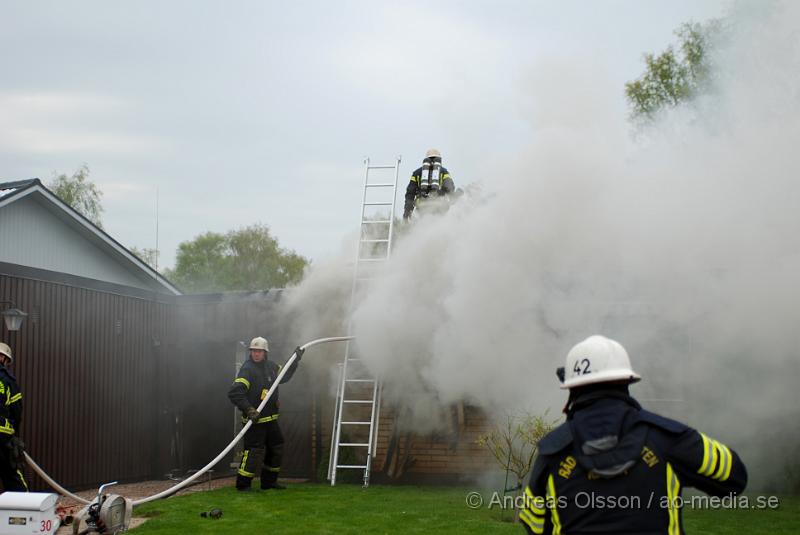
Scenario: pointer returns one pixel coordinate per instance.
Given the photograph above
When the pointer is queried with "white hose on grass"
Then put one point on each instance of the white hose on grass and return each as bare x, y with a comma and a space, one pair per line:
218, 458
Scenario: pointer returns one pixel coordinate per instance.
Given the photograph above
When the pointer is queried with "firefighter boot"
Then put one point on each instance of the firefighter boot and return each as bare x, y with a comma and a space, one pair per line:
243, 483
251, 459
269, 479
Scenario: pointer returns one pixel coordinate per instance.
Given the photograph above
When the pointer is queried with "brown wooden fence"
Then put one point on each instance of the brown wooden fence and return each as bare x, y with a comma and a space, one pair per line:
128, 387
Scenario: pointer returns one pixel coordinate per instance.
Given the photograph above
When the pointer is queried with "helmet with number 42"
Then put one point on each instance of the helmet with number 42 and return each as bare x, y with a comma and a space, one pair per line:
597, 360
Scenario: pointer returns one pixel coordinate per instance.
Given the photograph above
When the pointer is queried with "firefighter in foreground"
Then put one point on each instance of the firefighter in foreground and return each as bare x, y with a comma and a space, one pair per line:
263, 442
614, 467
11, 447
429, 182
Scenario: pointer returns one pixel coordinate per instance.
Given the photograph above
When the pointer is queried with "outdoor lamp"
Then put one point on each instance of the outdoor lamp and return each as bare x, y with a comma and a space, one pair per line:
13, 317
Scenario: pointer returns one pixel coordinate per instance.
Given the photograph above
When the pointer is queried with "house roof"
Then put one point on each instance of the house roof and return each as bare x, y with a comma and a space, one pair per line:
13, 191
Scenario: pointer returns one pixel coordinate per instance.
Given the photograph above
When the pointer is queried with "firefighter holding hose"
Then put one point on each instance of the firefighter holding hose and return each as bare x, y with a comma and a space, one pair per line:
263, 442
614, 467
11, 446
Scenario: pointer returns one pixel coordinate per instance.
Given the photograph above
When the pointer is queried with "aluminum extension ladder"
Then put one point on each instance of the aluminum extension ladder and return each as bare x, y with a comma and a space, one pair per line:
358, 396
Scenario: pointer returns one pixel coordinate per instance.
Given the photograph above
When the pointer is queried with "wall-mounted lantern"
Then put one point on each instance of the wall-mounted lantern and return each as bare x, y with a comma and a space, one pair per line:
13, 316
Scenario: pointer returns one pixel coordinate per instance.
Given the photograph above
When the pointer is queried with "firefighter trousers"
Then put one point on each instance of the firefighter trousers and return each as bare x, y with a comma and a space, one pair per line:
263, 452
11, 468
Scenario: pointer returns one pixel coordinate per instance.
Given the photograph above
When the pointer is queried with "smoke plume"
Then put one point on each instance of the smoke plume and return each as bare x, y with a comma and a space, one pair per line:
682, 244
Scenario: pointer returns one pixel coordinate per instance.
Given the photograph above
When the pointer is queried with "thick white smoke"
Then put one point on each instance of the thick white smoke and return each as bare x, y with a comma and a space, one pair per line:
684, 247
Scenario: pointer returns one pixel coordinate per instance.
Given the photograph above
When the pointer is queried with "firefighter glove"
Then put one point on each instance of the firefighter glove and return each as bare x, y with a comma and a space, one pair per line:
299, 352
16, 452
17, 447
253, 414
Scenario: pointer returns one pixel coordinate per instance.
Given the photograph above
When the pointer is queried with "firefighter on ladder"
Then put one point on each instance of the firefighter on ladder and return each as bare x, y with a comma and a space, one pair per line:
263, 442
429, 182
12, 448
614, 467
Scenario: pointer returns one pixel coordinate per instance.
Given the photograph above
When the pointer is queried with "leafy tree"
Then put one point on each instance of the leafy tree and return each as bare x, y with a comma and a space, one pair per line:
80, 193
673, 76
147, 255
515, 444
245, 259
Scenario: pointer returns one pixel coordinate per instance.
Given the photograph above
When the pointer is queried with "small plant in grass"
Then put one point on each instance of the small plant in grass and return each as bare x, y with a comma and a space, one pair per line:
514, 443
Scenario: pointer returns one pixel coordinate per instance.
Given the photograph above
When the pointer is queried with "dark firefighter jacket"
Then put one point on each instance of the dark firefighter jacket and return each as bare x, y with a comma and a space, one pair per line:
446, 186
252, 384
10, 403
615, 468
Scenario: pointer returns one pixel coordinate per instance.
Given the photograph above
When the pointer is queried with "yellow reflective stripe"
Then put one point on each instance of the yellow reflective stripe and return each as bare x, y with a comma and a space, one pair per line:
272, 468
673, 492
262, 420
414, 179
714, 457
710, 456
16, 398
727, 473
536, 524
552, 503
536, 505
707, 447
527, 517
242, 471
7, 428
724, 469
244, 381
717, 459
22, 479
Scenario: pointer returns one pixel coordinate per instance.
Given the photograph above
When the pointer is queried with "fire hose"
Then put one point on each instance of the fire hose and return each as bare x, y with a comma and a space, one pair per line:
172, 490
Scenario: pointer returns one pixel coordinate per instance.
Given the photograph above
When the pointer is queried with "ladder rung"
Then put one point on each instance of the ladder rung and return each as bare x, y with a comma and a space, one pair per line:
370, 401
361, 467
355, 423
380, 185
375, 221
359, 380
388, 203
372, 260
354, 359
380, 167
353, 445
375, 241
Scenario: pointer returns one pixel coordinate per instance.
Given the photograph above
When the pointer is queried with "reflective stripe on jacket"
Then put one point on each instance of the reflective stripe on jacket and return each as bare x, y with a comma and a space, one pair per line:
615, 468
10, 403
252, 385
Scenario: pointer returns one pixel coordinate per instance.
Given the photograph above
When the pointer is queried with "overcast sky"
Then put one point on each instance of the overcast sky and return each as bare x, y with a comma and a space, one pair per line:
245, 112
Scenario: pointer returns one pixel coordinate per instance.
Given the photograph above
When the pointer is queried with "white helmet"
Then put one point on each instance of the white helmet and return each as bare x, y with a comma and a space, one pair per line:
5, 349
433, 153
259, 343
597, 360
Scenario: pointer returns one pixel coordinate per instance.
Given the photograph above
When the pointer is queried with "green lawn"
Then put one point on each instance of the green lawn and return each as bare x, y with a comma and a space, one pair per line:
312, 508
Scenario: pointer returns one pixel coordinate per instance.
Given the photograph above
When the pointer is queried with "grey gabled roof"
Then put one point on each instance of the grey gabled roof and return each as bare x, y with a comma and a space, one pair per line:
13, 191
